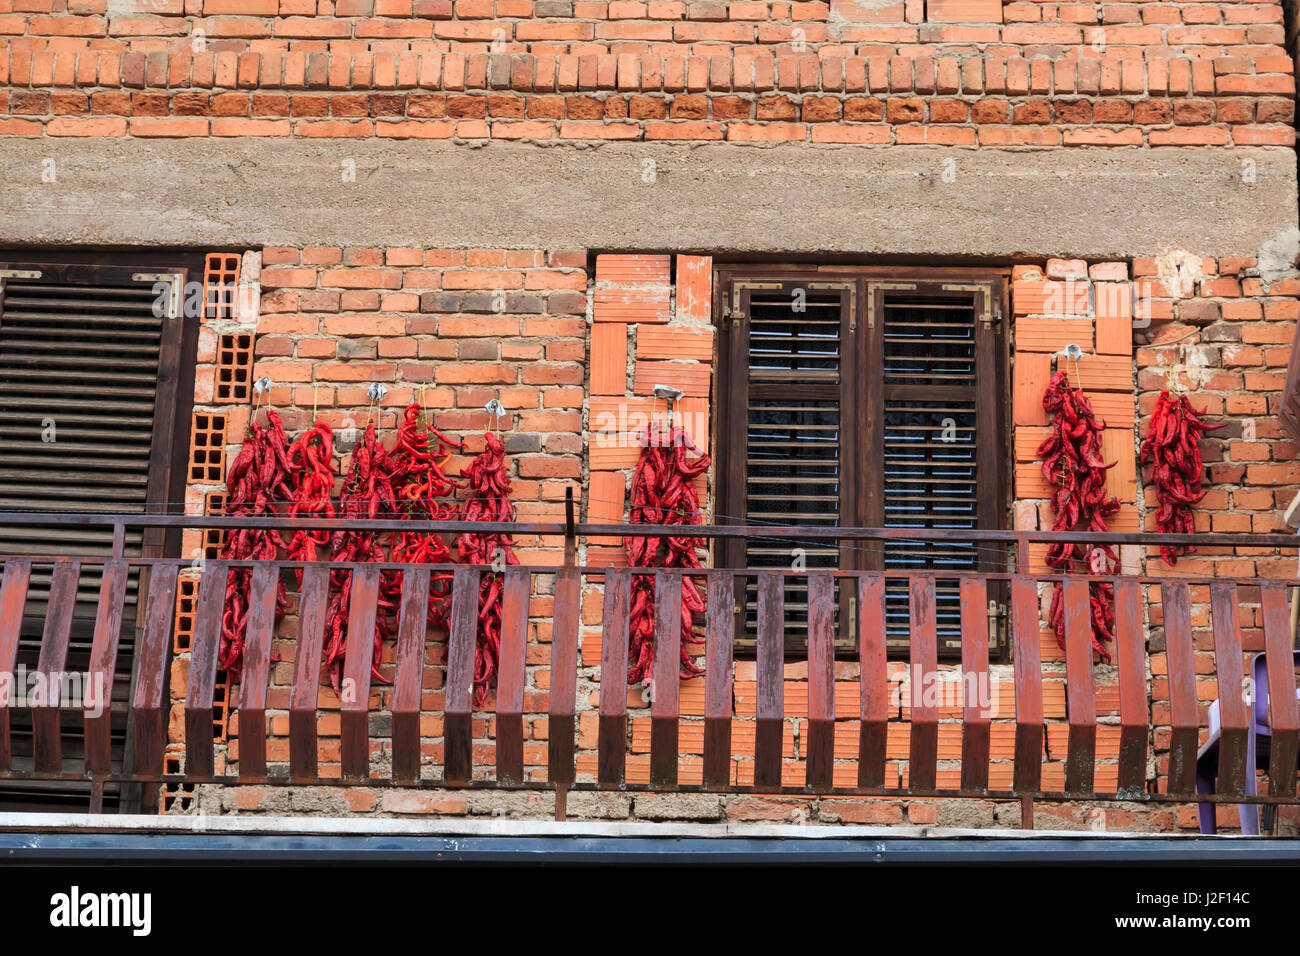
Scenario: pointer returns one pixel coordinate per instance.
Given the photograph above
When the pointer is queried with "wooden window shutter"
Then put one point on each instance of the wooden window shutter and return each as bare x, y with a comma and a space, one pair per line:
90, 363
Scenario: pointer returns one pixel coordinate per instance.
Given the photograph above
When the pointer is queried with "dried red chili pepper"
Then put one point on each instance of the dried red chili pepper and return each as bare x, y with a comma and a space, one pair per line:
367, 495
489, 500
255, 482
311, 458
419, 483
1073, 465
1172, 448
663, 492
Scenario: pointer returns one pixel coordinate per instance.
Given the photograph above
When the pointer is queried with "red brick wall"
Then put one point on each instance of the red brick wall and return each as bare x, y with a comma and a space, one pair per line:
560, 344
983, 73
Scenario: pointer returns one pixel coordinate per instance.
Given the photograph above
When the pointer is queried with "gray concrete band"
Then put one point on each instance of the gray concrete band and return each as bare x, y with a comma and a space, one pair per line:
789, 200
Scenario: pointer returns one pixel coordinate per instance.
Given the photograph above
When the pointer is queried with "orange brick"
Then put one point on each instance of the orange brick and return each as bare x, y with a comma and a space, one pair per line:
623, 305
694, 287
605, 503
674, 342
1052, 333
1031, 374
963, 11
1114, 318
1117, 446
692, 378
609, 359
634, 269
1050, 298
1104, 373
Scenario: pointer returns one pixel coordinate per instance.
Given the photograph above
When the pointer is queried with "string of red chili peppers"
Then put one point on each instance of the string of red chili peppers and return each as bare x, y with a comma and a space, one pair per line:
257, 479
367, 494
1072, 463
311, 458
419, 482
489, 500
1172, 448
663, 492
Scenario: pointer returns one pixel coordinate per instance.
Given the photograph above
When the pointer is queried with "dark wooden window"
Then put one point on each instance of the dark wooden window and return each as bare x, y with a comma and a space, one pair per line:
866, 399
96, 382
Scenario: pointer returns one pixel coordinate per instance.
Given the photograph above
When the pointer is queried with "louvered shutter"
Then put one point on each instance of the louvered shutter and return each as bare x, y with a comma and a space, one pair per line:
863, 402
792, 453
89, 360
935, 378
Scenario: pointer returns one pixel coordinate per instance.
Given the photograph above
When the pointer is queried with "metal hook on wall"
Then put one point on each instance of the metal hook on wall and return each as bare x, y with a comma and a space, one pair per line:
672, 396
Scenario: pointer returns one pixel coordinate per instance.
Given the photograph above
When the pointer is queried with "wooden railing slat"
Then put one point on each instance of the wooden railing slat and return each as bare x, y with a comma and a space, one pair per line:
1027, 775
976, 687
510, 676
874, 691
1283, 709
564, 677
821, 681
255, 673
1081, 699
98, 698
305, 694
13, 599
47, 750
1134, 712
458, 733
771, 681
667, 679
721, 625
202, 688
408, 680
923, 661
1182, 686
1230, 674
611, 742
354, 717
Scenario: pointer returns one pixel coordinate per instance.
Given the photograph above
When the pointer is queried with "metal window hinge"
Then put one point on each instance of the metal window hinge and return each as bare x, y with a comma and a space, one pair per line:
871, 296
20, 273
172, 279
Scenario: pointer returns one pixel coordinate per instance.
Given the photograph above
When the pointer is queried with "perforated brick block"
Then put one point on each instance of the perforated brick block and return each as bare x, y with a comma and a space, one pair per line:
208, 449
234, 368
220, 283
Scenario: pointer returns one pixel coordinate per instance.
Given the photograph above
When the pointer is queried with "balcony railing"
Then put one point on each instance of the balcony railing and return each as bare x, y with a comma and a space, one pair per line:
821, 769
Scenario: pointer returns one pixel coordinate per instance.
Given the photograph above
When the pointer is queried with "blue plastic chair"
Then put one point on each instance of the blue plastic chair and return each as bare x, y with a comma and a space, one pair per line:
1259, 735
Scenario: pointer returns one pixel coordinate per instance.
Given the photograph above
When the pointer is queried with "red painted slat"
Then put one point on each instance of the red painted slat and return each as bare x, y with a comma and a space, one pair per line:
46, 744
771, 681
611, 743
255, 674
13, 598
1081, 749
1134, 713
874, 705
1283, 710
977, 691
1028, 667
510, 676
408, 681
204, 646
355, 689
666, 673
564, 676
98, 699
718, 675
1182, 686
923, 747
821, 681
306, 672
458, 732
1230, 673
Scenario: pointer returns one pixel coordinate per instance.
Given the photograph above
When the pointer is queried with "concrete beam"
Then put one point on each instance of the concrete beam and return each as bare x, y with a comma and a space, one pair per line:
896, 201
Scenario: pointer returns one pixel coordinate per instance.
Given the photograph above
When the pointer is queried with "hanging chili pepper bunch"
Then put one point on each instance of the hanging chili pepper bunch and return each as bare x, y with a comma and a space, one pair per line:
311, 458
489, 500
1073, 465
419, 483
663, 492
1172, 448
257, 479
367, 494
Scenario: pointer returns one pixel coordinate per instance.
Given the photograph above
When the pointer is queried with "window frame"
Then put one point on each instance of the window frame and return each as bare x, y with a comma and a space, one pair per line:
867, 288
